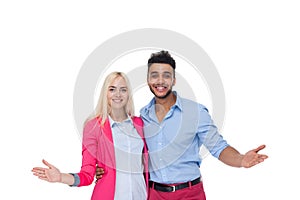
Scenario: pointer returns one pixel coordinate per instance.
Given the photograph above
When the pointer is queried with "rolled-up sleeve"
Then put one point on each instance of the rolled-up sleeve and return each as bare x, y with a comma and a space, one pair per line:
209, 134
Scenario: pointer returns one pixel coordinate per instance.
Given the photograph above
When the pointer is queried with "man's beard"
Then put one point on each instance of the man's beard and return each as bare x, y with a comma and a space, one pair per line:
161, 97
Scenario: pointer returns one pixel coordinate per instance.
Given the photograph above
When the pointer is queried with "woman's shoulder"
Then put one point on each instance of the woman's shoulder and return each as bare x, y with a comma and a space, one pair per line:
92, 123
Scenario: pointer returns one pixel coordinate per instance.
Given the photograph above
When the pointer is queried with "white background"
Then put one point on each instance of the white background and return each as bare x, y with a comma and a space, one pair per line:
254, 45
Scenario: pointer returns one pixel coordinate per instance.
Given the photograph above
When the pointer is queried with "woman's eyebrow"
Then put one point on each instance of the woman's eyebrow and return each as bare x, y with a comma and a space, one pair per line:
116, 87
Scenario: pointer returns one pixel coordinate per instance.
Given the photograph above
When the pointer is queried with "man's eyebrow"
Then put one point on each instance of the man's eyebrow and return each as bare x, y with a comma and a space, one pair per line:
165, 72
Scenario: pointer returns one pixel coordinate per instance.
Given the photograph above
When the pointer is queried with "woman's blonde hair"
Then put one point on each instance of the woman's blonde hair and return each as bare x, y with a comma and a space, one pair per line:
103, 109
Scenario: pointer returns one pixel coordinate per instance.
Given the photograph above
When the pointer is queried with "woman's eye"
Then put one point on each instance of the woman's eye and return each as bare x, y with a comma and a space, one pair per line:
123, 90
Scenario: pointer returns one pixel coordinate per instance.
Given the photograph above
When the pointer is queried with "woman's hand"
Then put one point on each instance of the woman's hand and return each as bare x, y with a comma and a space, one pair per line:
50, 174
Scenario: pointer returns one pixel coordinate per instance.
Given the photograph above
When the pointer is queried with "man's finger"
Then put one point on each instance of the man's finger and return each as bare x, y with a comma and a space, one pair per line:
259, 148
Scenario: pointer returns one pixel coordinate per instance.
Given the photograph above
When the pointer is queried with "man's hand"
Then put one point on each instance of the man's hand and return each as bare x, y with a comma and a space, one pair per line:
232, 157
99, 173
252, 157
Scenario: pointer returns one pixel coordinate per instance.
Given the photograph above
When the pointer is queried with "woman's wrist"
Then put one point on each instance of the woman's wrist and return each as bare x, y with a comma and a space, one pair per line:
67, 179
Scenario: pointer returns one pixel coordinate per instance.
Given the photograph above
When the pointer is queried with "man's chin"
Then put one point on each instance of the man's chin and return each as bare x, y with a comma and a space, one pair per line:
163, 96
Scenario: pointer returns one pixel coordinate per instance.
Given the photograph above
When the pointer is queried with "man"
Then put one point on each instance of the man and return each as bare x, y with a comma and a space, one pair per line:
175, 128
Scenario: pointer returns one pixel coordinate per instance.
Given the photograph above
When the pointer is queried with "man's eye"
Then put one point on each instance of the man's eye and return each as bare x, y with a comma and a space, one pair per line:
167, 76
154, 76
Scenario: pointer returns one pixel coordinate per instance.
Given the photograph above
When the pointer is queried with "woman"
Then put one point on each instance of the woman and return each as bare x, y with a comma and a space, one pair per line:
112, 139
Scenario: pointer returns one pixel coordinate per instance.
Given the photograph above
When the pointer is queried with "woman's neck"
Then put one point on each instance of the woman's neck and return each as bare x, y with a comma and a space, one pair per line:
118, 115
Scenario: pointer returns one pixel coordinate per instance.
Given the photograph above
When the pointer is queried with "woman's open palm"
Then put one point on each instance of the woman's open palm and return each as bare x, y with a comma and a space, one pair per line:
50, 174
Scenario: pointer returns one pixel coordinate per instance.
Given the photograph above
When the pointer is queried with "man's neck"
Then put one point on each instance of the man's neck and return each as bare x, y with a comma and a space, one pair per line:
165, 104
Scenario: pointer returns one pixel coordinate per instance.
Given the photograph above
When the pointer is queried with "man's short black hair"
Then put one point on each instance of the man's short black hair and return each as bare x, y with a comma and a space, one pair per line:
162, 57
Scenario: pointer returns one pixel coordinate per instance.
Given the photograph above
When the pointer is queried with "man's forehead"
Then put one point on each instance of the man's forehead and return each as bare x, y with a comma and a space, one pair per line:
160, 67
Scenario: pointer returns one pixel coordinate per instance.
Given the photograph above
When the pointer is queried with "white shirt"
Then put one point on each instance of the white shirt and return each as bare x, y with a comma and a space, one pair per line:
128, 144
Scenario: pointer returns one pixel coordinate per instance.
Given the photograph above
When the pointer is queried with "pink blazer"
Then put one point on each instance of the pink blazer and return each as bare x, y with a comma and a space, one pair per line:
98, 148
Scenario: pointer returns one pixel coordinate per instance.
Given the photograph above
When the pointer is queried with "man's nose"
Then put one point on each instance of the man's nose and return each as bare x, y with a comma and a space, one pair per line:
160, 79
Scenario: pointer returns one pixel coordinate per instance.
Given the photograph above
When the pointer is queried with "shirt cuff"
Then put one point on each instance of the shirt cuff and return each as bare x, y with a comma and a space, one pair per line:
76, 180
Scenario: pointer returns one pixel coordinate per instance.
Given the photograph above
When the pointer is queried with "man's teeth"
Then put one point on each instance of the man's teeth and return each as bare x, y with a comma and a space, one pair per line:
160, 88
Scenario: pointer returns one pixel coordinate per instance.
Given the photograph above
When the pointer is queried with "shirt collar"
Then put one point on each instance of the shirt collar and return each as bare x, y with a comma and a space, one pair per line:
178, 101
148, 107
112, 122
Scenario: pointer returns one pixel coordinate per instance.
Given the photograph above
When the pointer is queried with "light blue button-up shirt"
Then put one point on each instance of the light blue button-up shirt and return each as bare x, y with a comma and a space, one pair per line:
174, 143
130, 182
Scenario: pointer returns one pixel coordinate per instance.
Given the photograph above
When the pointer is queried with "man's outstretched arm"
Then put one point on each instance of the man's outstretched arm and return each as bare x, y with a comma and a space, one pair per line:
232, 157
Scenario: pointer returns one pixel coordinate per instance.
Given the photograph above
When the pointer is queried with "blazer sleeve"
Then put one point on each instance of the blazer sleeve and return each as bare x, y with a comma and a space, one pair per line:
89, 152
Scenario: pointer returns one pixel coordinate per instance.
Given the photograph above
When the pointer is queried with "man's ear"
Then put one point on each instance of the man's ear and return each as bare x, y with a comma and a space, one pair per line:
174, 81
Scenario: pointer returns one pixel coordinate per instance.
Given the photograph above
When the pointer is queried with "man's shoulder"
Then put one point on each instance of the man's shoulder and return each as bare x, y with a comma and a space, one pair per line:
193, 103
146, 108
